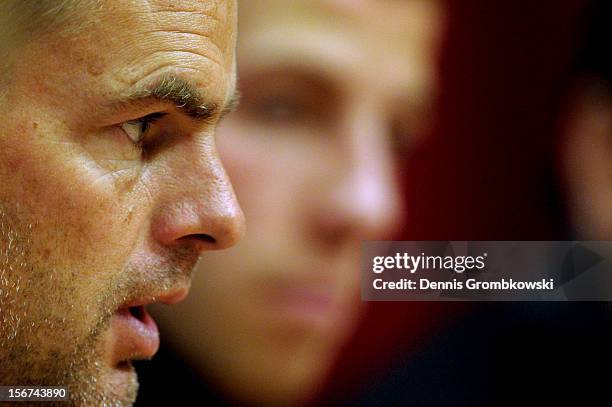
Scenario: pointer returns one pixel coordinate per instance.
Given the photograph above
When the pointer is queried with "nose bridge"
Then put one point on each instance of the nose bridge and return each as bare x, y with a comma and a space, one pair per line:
369, 190
200, 204
216, 203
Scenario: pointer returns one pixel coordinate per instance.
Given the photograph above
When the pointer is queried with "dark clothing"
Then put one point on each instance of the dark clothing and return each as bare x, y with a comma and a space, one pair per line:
508, 354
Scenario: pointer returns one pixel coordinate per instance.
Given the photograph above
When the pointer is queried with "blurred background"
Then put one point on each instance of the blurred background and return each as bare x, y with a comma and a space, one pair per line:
406, 120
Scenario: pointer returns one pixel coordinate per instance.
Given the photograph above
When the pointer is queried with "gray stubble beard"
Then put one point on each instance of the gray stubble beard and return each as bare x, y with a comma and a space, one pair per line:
27, 292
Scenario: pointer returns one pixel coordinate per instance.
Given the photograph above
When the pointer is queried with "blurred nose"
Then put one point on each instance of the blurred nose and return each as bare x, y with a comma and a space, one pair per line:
365, 197
199, 207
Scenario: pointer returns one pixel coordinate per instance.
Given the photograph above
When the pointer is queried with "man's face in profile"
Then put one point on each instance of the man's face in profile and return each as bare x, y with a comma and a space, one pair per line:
110, 184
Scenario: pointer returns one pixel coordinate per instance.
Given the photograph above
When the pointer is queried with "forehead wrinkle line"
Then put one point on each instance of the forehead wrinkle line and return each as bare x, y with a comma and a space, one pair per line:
153, 71
190, 13
175, 52
192, 32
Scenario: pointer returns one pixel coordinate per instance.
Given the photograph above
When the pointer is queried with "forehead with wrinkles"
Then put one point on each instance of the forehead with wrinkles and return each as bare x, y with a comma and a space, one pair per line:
129, 42
387, 42
190, 33
201, 28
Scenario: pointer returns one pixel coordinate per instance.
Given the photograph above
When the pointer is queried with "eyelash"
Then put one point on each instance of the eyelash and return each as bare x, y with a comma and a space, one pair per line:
144, 124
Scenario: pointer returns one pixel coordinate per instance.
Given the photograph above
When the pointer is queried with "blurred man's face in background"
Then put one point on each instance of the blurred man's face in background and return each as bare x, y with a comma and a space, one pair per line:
333, 92
585, 145
586, 159
110, 183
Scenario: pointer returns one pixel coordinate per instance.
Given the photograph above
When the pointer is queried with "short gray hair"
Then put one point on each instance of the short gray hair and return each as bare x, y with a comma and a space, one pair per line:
26, 20
35, 16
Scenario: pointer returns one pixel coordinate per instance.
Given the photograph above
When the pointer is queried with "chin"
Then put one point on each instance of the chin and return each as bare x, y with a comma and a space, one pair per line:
295, 385
118, 386
286, 375
123, 382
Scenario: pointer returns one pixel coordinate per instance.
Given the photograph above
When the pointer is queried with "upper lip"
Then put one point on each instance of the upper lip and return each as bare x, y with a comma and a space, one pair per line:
171, 296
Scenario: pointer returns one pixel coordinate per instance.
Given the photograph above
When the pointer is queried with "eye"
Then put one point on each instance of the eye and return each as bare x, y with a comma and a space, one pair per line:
279, 109
137, 129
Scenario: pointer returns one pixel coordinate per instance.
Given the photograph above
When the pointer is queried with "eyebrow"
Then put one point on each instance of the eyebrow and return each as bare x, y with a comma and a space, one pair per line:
184, 96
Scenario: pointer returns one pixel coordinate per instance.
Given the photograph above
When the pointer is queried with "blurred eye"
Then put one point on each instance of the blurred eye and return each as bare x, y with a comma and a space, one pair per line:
281, 109
288, 99
137, 129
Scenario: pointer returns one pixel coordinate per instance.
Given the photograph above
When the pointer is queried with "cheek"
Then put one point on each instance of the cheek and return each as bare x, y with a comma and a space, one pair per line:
113, 153
76, 215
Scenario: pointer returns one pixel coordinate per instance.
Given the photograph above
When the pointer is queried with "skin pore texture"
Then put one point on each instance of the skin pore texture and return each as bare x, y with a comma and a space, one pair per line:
101, 210
333, 92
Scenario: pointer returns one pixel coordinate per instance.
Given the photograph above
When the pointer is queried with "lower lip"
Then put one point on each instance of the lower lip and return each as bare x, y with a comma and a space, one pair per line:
135, 335
309, 306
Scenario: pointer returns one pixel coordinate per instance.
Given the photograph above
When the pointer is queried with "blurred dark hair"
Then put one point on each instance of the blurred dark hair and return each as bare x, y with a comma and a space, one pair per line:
592, 59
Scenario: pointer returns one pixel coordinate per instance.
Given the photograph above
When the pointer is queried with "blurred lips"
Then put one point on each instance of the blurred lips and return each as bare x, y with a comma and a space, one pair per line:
308, 304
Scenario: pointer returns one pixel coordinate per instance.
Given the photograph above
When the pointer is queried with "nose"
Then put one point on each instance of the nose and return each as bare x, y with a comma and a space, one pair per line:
365, 197
199, 207
368, 198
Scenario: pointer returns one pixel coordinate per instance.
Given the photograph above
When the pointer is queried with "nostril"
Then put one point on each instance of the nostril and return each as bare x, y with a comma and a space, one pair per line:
200, 240
203, 237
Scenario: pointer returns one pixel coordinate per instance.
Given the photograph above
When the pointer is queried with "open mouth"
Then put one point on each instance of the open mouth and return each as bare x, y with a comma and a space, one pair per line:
125, 365
135, 334
138, 312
